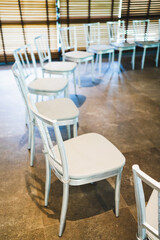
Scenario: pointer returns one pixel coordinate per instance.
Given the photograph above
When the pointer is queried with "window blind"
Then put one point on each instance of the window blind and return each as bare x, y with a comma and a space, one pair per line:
75, 12
22, 20
144, 9
102, 11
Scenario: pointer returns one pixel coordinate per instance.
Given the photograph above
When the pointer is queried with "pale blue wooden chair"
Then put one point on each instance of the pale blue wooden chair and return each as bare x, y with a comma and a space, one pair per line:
148, 215
116, 33
68, 39
53, 67
141, 30
94, 45
81, 160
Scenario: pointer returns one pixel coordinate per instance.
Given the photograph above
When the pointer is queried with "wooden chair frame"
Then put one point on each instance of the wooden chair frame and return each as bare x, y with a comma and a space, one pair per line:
57, 67
93, 43
61, 169
116, 32
68, 39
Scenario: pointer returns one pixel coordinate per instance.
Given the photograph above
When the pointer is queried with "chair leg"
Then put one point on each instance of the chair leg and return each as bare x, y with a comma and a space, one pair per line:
119, 60
96, 63
48, 180
74, 80
100, 63
117, 193
69, 131
64, 208
26, 117
79, 79
109, 57
112, 58
42, 73
157, 56
75, 129
29, 135
93, 69
32, 144
86, 64
133, 59
66, 92
143, 58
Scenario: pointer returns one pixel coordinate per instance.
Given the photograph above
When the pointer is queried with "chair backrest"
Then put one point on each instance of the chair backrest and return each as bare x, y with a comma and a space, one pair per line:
27, 68
141, 28
116, 31
42, 46
68, 38
92, 33
59, 166
22, 87
143, 225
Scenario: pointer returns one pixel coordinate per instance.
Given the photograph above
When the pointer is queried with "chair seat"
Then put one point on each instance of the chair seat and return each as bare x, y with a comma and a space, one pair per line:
59, 109
48, 85
60, 66
86, 156
123, 45
147, 43
152, 213
100, 48
78, 55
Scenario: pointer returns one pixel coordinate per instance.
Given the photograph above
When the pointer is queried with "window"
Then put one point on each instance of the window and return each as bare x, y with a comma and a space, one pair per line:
22, 20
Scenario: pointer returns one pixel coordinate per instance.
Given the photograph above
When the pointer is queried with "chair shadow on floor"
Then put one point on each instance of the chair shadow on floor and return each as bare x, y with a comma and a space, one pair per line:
84, 201
79, 100
86, 81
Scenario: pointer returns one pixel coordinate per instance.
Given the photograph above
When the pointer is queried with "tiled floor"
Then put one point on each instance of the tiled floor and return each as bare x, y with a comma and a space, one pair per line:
125, 108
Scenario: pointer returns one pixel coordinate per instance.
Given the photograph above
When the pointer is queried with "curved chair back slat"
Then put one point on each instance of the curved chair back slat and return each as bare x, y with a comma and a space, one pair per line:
141, 28
116, 31
42, 123
68, 38
92, 33
148, 225
42, 46
23, 56
22, 87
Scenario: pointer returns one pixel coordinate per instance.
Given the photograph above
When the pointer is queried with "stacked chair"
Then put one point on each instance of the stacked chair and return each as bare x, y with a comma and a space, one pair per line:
68, 38
94, 45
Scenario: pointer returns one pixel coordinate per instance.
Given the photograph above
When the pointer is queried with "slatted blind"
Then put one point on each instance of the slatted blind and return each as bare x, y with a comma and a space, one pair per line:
22, 20
141, 9
102, 11
75, 12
